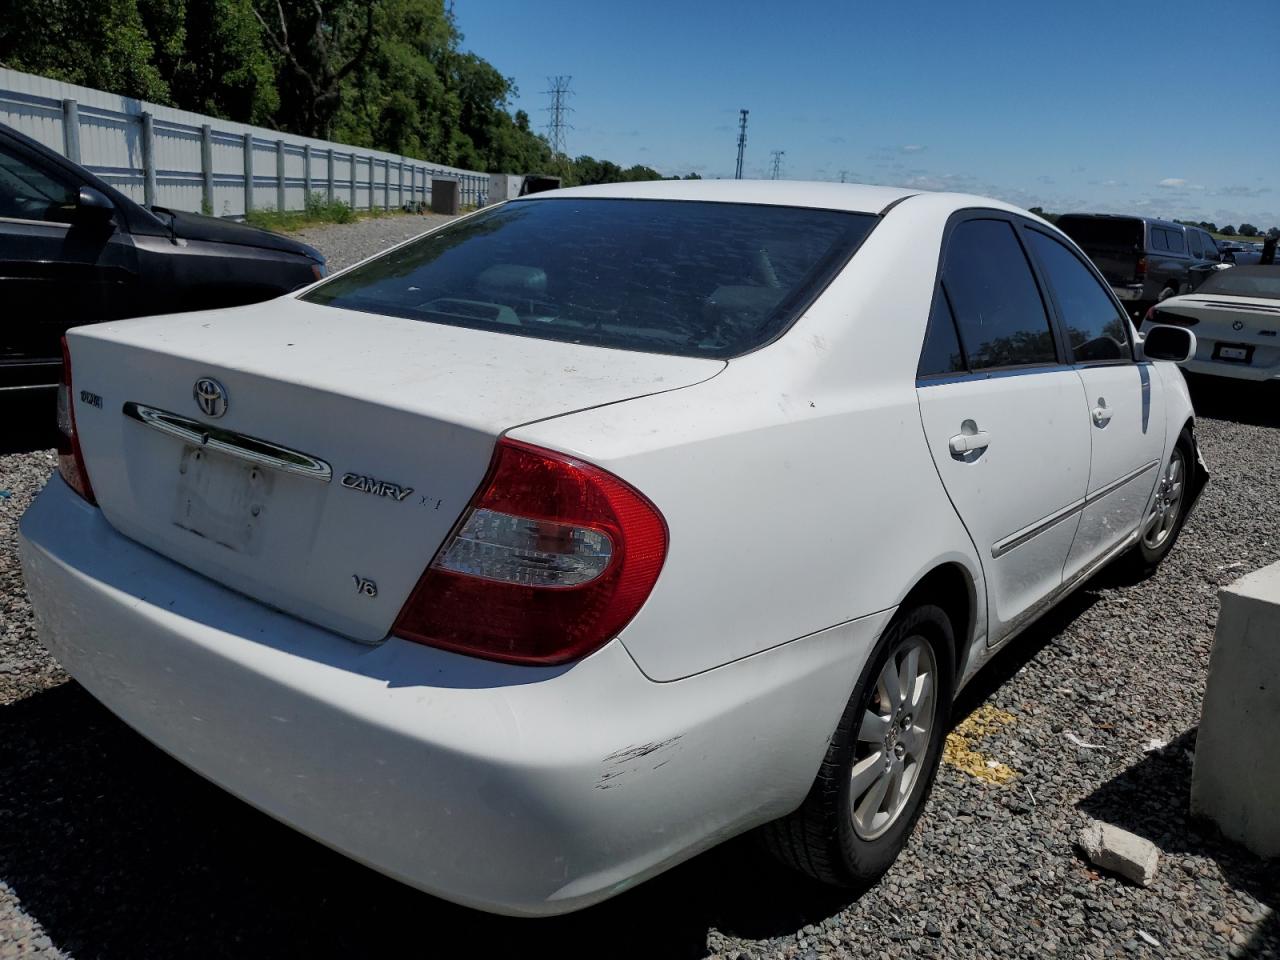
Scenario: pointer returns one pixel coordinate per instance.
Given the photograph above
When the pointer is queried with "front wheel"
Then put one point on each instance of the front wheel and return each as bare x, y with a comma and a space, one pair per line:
881, 760
1168, 509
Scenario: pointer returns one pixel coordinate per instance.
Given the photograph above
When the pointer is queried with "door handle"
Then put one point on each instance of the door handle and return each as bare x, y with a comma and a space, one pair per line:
963, 443
1101, 415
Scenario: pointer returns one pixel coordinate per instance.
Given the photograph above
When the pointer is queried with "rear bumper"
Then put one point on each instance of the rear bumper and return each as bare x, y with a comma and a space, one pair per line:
512, 789
1128, 291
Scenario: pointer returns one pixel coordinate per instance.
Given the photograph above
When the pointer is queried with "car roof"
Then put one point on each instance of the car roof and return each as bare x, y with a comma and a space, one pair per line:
814, 194
856, 197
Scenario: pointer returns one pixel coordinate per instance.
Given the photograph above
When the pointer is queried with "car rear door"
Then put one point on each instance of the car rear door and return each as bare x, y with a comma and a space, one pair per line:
56, 269
1002, 414
1124, 400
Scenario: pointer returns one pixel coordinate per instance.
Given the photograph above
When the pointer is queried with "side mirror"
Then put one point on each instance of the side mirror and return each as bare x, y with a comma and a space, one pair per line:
93, 207
1163, 342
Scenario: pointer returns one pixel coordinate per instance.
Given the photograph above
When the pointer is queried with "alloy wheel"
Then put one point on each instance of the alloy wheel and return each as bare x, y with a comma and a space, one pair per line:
1166, 508
893, 738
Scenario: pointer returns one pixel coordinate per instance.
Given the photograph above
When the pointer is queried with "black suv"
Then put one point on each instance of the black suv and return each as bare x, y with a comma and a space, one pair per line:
1142, 257
75, 250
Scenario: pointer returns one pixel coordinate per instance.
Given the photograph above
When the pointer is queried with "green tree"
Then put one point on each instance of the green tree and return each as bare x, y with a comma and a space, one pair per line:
95, 43
1248, 230
1228, 231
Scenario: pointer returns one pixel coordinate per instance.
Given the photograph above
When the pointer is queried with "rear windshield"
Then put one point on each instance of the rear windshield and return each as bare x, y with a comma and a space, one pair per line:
662, 276
1103, 233
1255, 281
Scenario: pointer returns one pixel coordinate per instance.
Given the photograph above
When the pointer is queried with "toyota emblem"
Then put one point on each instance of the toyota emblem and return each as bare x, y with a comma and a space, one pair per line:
211, 397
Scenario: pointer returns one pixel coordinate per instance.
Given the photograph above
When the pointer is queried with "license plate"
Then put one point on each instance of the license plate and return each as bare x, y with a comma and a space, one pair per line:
222, 499
1239, 354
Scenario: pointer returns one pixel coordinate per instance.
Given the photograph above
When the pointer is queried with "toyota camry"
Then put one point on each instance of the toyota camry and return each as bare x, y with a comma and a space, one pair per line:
556, 545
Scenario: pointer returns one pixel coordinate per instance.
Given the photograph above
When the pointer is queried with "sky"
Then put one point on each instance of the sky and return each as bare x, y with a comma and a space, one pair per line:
1169, 109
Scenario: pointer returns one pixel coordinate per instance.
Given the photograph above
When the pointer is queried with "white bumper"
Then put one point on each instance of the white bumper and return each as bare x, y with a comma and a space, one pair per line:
512, 789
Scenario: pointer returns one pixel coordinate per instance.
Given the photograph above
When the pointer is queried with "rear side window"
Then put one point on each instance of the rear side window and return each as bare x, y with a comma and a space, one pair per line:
941, 353
998, 310
1096, 329
1196, 244
1167, 240
662, 276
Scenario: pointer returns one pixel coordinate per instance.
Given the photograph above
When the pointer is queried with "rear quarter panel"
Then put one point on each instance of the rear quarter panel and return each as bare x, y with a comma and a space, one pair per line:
797, 486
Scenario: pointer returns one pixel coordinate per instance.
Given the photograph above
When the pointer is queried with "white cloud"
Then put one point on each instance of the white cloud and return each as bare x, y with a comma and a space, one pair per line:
912, 147
1172, 182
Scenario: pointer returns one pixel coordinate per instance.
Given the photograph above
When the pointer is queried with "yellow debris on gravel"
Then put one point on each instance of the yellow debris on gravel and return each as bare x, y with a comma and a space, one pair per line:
959, 752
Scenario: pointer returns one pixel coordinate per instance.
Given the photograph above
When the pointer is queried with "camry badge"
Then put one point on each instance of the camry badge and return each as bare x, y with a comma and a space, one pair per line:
1237, 325
379, 488
210, 396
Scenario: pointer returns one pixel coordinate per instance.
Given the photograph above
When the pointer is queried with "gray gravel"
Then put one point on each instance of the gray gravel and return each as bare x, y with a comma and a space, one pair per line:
348, 243
110, 849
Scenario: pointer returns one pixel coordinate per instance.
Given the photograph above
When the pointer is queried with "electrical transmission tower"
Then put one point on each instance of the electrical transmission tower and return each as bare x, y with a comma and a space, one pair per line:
777, 164
742, 141
559, 111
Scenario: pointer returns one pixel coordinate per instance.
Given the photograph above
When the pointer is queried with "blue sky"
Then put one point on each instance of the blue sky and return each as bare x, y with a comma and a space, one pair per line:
1167, 108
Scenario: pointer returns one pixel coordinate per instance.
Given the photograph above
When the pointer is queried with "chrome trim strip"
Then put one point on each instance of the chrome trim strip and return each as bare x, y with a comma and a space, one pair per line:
1031, 369
1001, 547
1115, 485
30, 386
264, 453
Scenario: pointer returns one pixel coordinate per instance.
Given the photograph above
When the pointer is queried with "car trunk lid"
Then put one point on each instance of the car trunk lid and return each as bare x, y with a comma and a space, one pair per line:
402, 414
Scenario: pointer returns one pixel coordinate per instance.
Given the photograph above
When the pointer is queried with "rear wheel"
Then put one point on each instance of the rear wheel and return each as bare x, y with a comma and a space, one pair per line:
881, 761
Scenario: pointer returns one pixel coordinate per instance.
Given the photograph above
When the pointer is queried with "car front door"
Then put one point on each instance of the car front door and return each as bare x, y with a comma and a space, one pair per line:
1002, 414
1124, 401
60, 265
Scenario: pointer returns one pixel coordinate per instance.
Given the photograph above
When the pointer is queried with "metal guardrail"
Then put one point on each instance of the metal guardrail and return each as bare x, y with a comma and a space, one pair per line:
187, 161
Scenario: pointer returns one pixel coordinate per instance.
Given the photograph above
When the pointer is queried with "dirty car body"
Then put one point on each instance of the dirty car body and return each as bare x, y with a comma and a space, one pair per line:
540, 553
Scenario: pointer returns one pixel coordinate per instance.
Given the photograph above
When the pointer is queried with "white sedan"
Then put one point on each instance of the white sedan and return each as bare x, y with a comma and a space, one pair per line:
1235, 315
561, 543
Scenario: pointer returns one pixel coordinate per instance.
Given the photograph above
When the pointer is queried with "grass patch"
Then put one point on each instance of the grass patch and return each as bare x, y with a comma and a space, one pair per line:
319, 210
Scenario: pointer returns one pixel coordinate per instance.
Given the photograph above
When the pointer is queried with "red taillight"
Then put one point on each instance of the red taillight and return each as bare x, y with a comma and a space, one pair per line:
1141, 270
70, 459
1150, 315
551, 560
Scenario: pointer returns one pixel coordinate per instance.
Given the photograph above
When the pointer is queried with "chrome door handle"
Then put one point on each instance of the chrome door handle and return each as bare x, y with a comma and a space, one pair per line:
963, 443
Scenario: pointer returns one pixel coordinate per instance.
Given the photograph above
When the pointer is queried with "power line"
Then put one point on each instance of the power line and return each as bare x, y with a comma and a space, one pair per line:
777, 164
559, 110
742, 141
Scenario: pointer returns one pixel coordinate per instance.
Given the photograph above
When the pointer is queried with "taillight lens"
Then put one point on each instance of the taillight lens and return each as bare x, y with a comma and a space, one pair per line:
1141, 270
551, 560
70, 459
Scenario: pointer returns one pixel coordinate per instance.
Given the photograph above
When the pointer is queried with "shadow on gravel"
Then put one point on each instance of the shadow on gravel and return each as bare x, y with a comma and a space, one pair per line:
1242, 401
1152, 799
122, 853
28, 421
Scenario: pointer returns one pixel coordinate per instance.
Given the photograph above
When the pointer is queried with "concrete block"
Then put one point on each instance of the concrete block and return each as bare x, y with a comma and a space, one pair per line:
1236, 780
1121, 852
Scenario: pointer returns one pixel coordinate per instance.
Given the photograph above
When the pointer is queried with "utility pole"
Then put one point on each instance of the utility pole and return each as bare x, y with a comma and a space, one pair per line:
777, 164
742, 141
559, 110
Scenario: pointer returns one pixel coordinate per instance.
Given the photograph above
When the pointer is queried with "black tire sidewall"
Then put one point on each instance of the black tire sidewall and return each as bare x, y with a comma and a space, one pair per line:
866, 860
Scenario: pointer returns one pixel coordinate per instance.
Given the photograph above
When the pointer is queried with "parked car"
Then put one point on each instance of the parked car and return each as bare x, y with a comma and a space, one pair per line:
1235, 315
1240, 253
540, 553
1144, 259
73, 249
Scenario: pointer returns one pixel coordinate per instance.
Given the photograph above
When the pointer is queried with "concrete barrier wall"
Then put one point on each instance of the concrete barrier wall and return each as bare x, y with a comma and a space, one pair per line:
1236, 781
187, 161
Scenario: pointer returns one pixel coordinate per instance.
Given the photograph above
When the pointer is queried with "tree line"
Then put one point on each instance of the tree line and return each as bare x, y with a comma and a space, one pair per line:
387, 74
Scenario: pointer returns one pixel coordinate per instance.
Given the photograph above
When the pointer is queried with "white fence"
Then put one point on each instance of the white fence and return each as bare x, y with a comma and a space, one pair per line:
187, 161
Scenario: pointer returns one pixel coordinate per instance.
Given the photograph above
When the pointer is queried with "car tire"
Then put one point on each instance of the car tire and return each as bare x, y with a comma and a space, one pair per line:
1164, 518
842, 835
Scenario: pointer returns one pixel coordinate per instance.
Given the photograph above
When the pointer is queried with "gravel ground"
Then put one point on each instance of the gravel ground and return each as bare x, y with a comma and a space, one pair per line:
110, 849
347, 243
